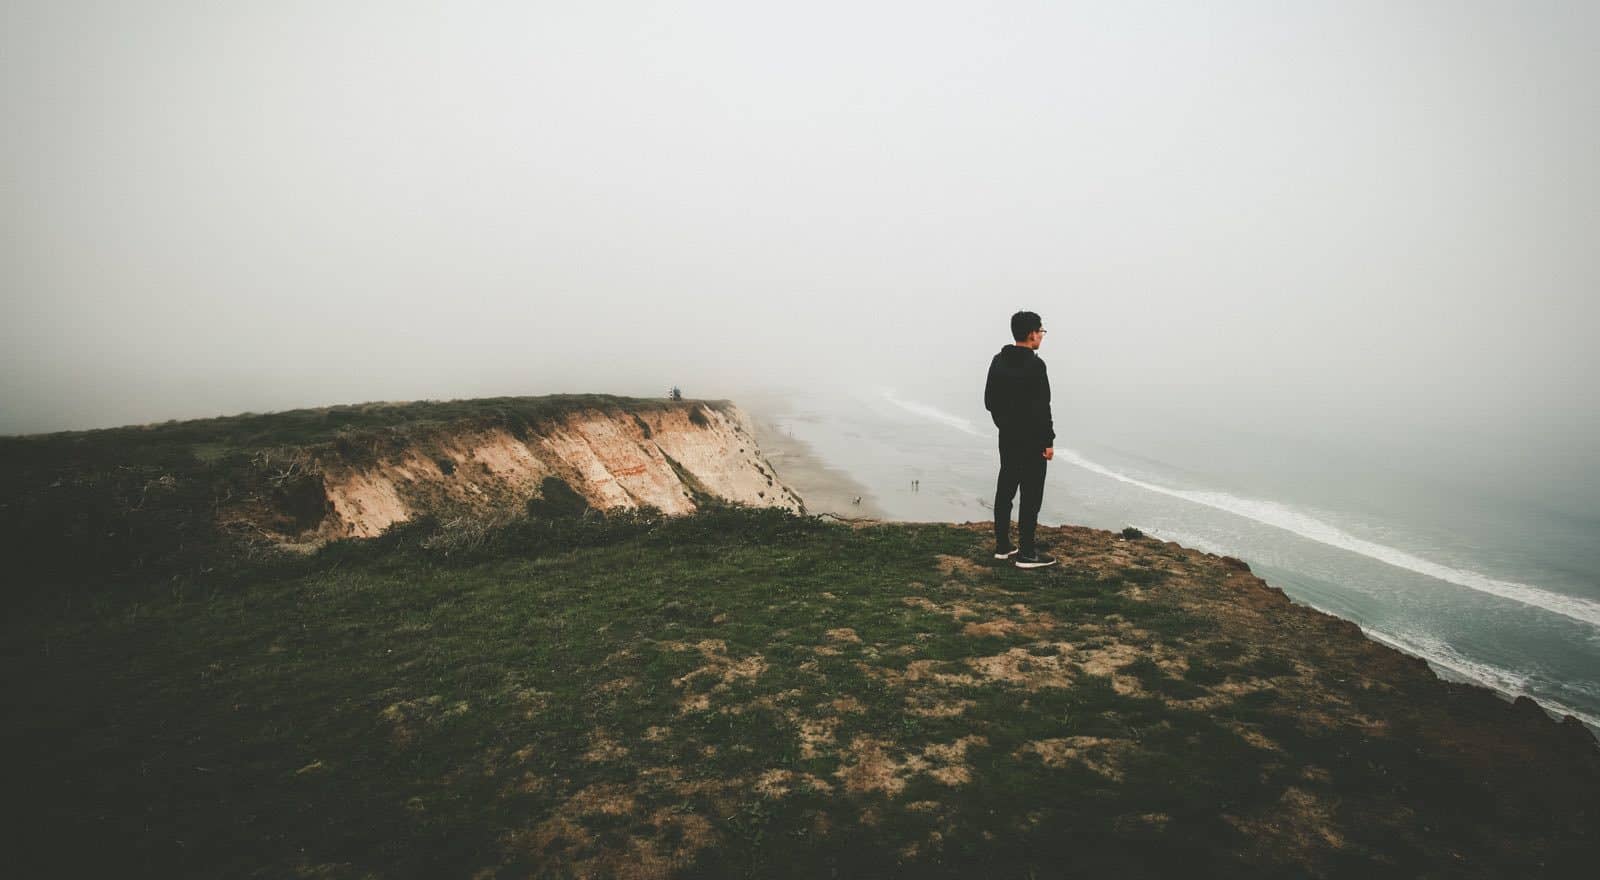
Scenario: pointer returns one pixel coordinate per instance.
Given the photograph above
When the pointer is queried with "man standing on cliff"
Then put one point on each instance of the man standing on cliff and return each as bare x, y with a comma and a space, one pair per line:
1017, 396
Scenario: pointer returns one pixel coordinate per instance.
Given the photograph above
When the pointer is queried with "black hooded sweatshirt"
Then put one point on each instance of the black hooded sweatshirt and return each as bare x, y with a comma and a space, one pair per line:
1017, 396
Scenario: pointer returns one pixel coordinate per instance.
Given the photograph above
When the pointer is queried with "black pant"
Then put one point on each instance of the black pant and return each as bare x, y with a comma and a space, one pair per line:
1021, 465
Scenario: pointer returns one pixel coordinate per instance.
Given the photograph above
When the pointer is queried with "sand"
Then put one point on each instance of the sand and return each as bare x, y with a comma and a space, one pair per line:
824, 489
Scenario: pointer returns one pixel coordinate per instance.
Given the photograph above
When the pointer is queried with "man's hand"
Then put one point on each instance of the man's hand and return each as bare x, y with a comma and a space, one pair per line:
1049, 453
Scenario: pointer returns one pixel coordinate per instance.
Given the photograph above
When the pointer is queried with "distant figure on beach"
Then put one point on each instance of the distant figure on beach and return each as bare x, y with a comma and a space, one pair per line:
1017, 396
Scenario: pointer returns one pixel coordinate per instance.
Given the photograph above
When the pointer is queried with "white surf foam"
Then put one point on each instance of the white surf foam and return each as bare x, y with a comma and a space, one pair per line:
1290, 520
932, 412
1192, 541
1503, 681
1270, 513
1450, 664
1279, 516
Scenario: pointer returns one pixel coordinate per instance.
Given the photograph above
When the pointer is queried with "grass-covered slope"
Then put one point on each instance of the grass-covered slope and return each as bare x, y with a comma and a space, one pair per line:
743, 693
143, 501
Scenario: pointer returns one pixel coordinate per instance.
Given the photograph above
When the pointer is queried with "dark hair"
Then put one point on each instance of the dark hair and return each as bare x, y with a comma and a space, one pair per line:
1023, 323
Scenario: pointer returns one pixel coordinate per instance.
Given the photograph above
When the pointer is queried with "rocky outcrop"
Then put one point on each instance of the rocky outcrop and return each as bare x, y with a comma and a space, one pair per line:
672, 458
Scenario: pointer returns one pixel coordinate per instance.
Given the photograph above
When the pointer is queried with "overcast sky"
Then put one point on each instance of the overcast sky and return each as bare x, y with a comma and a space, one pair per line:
1352, 211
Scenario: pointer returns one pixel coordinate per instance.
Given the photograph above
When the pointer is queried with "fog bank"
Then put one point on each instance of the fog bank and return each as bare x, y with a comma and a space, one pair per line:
1349, 219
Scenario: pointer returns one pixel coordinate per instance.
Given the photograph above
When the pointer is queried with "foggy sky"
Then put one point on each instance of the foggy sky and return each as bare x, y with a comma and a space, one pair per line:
1336, 216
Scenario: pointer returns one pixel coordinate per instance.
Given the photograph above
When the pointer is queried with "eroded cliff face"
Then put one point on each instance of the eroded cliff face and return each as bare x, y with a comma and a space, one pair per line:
662, 457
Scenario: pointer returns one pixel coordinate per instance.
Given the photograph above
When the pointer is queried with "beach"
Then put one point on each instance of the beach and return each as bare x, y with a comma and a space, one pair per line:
825, 489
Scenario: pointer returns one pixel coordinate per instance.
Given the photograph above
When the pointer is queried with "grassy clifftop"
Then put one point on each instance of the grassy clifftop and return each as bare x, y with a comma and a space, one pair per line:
750, 693
153, 500
211, 439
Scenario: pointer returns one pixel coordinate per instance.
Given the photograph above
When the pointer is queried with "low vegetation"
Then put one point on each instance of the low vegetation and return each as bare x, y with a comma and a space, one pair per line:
751, 693
141, 502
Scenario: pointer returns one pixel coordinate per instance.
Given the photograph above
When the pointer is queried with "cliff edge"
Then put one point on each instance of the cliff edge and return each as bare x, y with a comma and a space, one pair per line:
742, 692
672, 457
174, 498
737, 692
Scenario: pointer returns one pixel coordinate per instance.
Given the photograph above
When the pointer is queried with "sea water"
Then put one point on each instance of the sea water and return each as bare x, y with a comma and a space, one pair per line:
1488, 588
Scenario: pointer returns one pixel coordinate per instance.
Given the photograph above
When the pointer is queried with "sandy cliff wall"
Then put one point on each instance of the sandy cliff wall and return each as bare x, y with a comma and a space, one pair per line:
660, 457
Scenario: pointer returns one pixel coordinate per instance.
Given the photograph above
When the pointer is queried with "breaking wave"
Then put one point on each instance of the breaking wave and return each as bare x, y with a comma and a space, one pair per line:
1273, 514
934, 413
1442, 656
1280, 516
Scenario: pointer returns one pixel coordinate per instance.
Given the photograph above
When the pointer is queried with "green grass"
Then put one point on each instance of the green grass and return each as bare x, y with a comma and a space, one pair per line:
246, 432
529, 707
140, 502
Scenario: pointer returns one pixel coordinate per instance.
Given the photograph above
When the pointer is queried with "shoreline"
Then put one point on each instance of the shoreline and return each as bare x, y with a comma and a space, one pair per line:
1449, 673
827, 489
822, 487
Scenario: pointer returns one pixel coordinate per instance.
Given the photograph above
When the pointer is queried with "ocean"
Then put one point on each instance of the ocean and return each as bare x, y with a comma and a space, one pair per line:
1488, 586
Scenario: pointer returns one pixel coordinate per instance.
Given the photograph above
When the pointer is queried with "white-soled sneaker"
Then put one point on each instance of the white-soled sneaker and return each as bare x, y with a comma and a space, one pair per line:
1037, 560
1003, 555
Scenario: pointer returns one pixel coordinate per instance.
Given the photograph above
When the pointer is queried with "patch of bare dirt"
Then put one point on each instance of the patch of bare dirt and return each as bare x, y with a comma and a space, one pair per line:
530, 701
615, 686
365, 503
917, 848
951, 565
724, 793
871, 765
815, 735
607, 799
720, 669
1095, 753
1254, 737
929, 706
778, 783
1106, 661
564, 845
959, 611
780, 702
604, 748
409, 718
1020, 668
872, 768
990, 618
848, 706
1300, 822
1000, 627
934, 671
1221, 694
950, 760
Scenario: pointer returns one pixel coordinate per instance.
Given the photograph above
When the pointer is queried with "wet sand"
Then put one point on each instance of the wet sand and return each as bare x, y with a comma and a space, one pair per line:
824, 489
